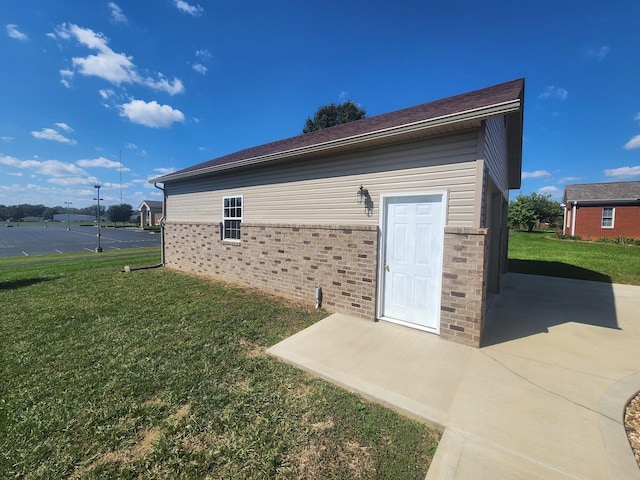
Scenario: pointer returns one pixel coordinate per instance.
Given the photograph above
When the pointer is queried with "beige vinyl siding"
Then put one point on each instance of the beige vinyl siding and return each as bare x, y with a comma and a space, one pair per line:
495, 153
323, 190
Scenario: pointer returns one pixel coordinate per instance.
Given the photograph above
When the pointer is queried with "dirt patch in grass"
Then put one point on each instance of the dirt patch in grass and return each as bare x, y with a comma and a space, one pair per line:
140, 449
252, 350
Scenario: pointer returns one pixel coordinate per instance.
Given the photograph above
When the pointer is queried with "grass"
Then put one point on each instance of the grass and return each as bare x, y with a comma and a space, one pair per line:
539, 253
153, 374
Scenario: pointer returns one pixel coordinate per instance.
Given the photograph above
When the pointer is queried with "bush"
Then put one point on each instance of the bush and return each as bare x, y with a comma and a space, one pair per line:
620, 241
562, 236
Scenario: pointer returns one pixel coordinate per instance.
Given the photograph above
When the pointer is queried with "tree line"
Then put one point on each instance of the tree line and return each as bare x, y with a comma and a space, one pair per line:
115, 213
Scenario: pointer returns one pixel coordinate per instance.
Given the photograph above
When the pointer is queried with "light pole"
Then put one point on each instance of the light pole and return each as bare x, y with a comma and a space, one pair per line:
99, 247
68, 224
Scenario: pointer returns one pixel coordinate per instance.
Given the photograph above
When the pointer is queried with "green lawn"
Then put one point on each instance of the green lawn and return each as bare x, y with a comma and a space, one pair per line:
153, 374
539, 253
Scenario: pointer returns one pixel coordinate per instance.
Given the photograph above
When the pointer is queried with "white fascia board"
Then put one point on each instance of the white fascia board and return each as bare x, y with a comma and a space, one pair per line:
458, 117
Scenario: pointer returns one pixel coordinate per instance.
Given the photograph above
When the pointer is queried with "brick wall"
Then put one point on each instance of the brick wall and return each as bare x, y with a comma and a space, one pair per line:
589, 222
463, 285
291, 260
288, 260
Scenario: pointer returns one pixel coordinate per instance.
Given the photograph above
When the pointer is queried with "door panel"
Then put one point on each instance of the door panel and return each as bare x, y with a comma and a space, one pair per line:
411, 279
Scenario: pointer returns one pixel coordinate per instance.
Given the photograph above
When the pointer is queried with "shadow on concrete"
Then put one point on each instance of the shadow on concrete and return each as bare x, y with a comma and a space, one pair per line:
24, 282
532, 304
556, 269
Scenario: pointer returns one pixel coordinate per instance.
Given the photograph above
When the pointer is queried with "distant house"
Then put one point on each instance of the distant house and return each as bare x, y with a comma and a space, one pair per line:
73, 217
602, 210
31, 219
399, 217
150, 212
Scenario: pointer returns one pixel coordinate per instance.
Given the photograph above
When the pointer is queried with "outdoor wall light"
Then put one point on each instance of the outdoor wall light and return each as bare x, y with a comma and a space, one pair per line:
362, 195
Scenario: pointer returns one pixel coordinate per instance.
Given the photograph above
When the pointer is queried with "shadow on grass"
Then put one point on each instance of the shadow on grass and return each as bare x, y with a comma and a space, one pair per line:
556, 269
548, 295
24, 282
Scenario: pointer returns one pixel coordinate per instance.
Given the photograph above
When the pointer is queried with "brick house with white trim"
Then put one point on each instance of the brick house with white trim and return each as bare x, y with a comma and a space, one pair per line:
602, 210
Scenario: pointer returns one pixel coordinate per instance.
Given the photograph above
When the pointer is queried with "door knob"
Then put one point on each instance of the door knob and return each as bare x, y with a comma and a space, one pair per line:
386, 267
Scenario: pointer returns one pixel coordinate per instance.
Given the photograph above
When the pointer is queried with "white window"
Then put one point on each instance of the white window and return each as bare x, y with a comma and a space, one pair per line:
231, 218
607, 217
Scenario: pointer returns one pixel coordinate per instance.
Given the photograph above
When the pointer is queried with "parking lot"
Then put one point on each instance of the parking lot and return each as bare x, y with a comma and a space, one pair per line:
56, 239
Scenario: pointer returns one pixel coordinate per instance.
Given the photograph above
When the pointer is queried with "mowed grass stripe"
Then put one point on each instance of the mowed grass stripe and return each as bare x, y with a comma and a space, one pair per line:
154, 374
539, 253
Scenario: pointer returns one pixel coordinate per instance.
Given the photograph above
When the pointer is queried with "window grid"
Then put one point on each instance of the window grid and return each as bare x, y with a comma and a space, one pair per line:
232, 217
607, 217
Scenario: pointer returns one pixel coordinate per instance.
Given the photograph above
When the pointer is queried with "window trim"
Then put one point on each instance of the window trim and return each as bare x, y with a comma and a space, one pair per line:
612, 217
225, 218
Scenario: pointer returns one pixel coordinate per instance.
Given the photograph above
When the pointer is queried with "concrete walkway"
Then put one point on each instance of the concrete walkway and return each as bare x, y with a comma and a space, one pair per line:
543, 400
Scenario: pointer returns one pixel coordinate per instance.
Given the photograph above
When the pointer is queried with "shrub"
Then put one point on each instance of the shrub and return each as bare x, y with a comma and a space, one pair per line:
619, 241
563, 236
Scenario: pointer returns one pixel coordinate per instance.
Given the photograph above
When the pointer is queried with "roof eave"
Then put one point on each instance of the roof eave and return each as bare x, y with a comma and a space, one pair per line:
387, 134
606, 201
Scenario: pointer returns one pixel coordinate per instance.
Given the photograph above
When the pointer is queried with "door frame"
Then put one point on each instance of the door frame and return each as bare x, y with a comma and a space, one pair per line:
382, 222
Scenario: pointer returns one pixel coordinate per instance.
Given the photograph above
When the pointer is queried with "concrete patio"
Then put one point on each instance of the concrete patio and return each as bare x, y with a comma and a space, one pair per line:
544, 399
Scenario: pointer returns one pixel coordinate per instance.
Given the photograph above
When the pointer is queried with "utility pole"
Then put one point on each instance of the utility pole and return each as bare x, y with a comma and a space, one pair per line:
99, 247
68, 223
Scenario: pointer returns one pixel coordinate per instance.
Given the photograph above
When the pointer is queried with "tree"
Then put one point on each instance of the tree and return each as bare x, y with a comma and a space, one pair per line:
527, 210
332, 114
119, 213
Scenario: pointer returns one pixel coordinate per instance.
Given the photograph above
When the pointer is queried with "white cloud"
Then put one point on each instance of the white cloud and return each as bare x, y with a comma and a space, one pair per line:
116, 13
637, 117
115, 68
131, 146
193, 10
633, 143
106, 93
52, 168
151, 114
550, 190
7, 139
203, 53
164, 171
623, 172
171, 88
64, 127
51, 134
553, 92
13, 32
598, 52
198, 67
102, 162
536, 174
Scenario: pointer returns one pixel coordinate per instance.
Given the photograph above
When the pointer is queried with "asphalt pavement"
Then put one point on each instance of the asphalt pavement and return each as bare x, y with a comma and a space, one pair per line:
28, 240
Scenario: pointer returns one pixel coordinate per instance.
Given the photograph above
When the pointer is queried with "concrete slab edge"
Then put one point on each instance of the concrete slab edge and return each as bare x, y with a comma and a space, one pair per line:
374, 393
612, 405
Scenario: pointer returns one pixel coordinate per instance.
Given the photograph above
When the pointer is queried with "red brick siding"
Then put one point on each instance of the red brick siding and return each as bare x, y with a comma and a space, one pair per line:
589, 220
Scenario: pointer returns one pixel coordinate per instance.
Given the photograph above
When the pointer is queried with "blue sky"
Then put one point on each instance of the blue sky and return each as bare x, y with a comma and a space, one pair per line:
115, 93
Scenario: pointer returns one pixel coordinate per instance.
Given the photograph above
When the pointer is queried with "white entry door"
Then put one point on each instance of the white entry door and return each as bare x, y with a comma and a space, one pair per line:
413, 234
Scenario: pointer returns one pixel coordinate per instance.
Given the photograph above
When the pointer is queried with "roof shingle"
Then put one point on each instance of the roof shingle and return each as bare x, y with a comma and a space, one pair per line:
602, 191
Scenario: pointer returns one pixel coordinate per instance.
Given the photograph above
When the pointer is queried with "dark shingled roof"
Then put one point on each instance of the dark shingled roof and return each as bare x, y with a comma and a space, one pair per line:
602, 191
478, 99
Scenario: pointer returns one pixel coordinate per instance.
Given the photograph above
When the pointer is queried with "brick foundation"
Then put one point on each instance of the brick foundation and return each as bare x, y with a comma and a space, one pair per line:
463, 285
291, 260
287, 260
